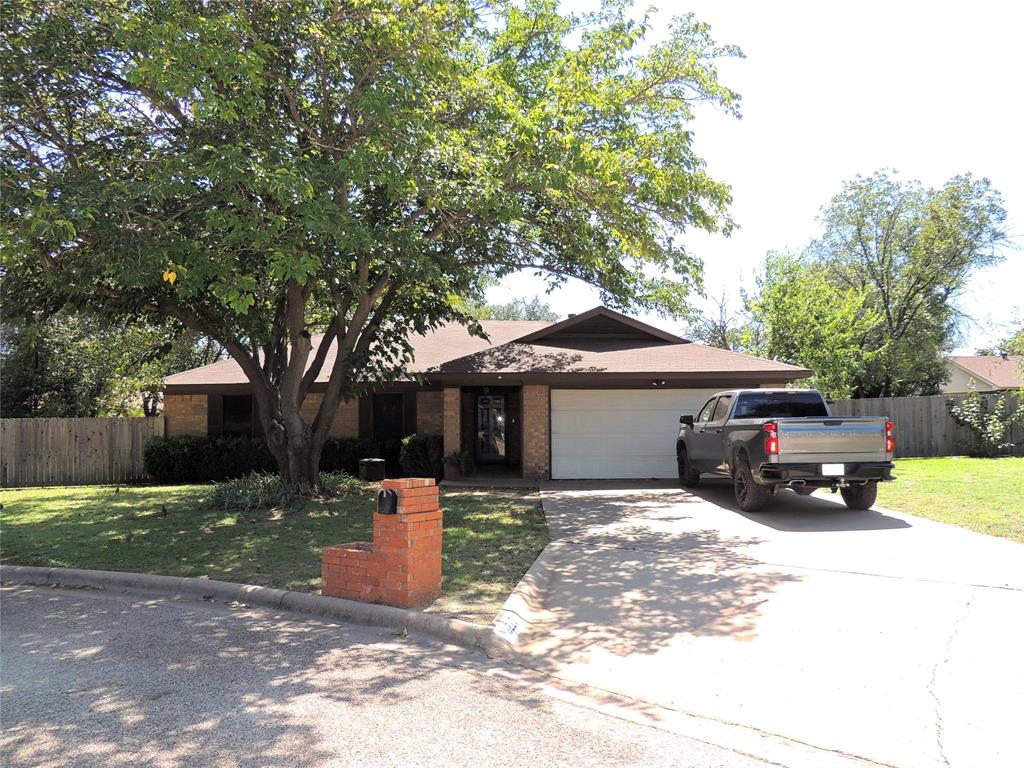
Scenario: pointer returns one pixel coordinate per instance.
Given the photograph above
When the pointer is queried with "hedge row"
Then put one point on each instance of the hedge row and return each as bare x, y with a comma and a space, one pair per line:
190, 459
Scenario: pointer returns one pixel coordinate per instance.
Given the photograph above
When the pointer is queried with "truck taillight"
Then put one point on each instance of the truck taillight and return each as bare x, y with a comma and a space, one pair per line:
771, 442
890, 441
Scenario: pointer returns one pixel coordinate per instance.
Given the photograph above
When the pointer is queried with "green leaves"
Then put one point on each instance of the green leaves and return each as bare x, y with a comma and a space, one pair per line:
296, 162
870, 306
990, 422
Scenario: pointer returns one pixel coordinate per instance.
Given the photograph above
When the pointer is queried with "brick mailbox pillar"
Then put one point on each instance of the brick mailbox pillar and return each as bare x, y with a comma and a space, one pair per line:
402, 567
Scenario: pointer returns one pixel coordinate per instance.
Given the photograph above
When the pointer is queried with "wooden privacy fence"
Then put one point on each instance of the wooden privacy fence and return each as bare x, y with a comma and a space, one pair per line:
74, 451
923, 424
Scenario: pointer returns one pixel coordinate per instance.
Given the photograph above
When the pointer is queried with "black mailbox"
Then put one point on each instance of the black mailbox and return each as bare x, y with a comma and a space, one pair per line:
387, 502
371, 470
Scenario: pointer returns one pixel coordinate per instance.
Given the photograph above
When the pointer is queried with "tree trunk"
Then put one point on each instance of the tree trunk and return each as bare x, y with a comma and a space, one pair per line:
303, 465
293, 444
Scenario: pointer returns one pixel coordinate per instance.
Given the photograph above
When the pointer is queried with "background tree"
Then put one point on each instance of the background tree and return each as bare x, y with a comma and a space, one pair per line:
71, 365
911, 250
806, 318
517, 309
880, 285
264, 171
1013, 344
724, 328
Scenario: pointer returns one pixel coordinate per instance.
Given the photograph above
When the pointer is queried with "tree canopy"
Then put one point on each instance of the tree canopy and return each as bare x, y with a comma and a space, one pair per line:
262, 171
870, 306
66, 364
517, 309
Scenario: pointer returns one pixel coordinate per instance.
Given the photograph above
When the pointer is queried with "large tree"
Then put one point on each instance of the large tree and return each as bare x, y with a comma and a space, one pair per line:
871, 305
805, 317
261, 171
910, 250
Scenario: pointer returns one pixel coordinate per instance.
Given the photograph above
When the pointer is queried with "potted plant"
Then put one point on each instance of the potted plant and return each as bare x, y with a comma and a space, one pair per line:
457, 464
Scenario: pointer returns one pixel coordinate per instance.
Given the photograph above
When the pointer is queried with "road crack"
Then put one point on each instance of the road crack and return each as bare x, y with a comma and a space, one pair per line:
953, 632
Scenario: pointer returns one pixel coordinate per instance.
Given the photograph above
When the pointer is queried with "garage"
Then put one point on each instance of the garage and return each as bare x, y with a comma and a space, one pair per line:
618, 433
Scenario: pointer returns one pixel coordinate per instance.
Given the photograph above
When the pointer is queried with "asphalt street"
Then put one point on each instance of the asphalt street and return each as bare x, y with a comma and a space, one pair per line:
95, 679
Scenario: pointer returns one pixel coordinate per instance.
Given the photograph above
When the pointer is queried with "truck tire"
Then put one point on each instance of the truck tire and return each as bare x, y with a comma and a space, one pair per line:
688, 476
860, 496
750, 497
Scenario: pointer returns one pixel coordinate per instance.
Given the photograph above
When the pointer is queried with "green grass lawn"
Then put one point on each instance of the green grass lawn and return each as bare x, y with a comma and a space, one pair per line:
490, 537
985, 495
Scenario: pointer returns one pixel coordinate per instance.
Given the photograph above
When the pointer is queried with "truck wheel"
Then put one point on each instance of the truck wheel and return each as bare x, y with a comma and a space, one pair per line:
860, 496
750, 497
688, 476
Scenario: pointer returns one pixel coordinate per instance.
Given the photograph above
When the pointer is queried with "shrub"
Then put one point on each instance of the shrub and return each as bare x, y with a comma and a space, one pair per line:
990, 423
263, 490
191, 459
421, 456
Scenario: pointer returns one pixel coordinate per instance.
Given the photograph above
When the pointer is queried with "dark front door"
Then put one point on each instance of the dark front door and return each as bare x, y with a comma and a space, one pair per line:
491, 426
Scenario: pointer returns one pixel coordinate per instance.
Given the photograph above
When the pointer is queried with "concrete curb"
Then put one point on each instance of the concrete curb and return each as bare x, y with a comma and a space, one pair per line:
453, 631
524, 607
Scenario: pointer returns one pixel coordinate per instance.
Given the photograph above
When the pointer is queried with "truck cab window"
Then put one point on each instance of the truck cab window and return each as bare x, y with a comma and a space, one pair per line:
767, 405
705, 412
722, 409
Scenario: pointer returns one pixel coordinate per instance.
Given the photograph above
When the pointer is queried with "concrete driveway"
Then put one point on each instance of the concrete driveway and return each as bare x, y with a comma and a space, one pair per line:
871, 634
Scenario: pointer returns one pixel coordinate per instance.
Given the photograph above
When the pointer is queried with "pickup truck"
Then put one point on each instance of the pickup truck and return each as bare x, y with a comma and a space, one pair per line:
767, 439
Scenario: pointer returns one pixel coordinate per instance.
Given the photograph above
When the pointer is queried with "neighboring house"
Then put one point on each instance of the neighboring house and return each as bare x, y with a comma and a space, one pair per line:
990, 373
596, 396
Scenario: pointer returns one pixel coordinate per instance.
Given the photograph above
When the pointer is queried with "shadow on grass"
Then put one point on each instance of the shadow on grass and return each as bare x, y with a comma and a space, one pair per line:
491, 537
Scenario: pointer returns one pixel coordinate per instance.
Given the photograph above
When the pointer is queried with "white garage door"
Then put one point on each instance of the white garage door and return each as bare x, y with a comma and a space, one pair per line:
618, 433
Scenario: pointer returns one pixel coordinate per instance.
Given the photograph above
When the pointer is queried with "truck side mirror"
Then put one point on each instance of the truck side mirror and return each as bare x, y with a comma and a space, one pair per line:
687, 420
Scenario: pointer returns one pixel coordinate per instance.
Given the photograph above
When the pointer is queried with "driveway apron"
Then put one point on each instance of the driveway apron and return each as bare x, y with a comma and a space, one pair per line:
874, 634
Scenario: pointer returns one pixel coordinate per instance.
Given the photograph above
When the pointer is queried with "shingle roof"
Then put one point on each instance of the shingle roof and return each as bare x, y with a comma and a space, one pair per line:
516, 347
444, 343
614, 356
1004, 373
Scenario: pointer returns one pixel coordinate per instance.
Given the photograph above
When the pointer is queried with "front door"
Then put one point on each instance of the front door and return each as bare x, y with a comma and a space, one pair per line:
490, 429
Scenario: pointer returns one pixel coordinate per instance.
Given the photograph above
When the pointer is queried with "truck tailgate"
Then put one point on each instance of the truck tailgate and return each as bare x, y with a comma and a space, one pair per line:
831, 440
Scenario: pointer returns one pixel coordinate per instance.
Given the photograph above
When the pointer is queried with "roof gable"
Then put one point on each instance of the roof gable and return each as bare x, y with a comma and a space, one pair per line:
995, 370
600, 323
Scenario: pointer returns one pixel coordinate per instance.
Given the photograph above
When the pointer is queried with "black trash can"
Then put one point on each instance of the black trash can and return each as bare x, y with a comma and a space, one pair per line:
371, 470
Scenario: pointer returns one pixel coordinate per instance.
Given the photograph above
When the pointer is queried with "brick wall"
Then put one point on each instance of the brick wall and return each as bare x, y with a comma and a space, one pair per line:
536, 432
430, 412
402, 566
185, 415
346, 418
452, 419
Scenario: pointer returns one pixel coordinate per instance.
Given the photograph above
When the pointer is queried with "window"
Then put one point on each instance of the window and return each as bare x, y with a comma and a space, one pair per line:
387, 417
722, 409
705, 412
237, 416
754, 405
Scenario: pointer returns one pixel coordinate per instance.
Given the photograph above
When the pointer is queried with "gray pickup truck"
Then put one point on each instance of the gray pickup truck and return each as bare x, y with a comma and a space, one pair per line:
767, 439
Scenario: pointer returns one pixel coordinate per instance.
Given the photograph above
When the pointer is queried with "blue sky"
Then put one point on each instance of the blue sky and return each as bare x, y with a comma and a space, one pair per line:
830, 90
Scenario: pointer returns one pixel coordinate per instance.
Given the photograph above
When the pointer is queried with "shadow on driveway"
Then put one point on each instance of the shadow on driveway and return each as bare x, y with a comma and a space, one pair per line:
636, 569
789, 511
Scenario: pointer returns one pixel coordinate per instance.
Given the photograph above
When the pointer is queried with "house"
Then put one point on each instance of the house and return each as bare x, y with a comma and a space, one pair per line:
598, 395
989, 373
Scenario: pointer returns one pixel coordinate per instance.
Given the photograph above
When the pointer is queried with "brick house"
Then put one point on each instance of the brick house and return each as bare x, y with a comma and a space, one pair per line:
597, 395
